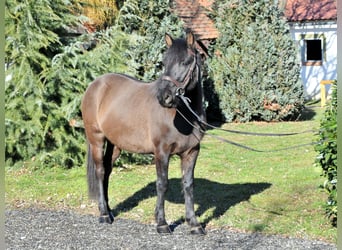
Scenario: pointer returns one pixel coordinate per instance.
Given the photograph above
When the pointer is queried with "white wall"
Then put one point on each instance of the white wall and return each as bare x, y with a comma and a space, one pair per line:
312, 75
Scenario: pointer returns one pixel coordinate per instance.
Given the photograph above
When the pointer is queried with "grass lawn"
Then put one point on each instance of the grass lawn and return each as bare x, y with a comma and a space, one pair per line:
272, 193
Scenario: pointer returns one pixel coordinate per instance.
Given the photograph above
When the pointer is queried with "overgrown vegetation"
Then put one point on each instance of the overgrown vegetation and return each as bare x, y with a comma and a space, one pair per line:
327, 154
254, 66
50, 64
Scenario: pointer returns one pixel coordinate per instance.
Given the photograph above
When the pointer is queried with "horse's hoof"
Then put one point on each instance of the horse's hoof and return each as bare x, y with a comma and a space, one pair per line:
164, 229
106, 218
197, 231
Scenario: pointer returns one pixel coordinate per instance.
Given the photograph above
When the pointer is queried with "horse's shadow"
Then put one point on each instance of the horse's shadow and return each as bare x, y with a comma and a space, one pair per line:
207, 194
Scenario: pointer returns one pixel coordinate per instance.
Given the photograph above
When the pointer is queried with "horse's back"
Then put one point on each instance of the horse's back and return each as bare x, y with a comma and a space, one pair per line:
111, 81
108, 86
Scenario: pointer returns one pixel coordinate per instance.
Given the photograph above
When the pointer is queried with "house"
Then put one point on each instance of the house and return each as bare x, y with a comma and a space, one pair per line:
194, 14
313, 25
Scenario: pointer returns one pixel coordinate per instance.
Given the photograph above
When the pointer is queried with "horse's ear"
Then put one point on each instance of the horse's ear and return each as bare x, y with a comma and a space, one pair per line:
168, 40
190, 39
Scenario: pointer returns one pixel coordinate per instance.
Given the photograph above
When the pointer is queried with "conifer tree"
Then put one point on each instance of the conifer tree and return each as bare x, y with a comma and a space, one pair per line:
48, 70
254, 65
152, 20
49, 66
34, 34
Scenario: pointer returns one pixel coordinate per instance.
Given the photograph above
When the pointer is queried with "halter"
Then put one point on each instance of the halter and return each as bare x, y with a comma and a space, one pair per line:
182, 85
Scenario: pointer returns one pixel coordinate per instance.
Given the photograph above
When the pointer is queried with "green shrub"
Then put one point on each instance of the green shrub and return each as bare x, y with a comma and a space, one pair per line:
254, 66
327, 154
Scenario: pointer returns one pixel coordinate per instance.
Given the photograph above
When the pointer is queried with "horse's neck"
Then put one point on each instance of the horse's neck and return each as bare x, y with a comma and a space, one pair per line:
196, 97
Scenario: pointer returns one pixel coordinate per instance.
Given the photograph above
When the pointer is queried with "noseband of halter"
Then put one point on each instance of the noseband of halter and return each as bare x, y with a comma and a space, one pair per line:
182, 85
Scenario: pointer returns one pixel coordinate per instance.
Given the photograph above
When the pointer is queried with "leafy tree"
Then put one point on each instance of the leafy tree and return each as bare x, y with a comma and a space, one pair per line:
147, 20
327, 154
254, 66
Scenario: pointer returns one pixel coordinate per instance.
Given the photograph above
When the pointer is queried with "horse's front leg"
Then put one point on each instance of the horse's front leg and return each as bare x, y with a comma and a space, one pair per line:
188, 162
162, 165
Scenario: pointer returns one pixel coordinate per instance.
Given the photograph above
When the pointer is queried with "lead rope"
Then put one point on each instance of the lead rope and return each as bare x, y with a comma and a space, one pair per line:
186, 102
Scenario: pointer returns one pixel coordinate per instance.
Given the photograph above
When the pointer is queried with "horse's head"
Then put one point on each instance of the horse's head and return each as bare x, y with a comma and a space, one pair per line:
182, 70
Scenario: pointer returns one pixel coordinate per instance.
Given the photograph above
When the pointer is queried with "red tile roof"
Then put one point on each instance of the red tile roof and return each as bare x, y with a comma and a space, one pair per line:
310, 10
194, 15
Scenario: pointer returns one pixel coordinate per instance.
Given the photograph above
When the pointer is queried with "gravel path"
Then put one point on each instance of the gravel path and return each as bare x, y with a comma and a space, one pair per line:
38, 229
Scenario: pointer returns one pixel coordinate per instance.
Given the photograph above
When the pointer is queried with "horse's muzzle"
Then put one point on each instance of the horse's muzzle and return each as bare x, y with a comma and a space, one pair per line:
168, 95
169, 101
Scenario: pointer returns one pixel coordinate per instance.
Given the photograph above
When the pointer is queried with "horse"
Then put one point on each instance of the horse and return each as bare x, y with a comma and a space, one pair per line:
122, 113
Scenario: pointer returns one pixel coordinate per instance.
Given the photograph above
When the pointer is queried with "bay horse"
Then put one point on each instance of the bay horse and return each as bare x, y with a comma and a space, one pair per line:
127, 114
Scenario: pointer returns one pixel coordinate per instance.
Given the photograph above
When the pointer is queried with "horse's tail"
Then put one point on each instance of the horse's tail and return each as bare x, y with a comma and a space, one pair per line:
93, 186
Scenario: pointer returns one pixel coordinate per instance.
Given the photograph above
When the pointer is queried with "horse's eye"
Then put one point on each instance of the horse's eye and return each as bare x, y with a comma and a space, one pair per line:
186, 61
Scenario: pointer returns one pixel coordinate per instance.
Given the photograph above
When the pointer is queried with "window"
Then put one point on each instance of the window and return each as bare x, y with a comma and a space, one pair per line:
313, 52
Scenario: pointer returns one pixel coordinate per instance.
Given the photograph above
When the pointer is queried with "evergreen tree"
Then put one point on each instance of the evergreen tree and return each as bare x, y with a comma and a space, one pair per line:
254, 65
32, 32
152, 20
48, 70
49, 66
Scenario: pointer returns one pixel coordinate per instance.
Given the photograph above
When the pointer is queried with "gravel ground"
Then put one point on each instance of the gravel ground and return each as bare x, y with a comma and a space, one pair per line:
38, 229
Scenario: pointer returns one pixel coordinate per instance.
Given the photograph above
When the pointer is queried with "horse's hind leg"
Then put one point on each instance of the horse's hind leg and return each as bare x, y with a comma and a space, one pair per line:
102, 172
111, 154
107, 164
188, 162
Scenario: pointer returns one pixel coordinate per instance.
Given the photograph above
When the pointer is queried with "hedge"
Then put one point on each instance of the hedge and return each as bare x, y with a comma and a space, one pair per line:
327, 154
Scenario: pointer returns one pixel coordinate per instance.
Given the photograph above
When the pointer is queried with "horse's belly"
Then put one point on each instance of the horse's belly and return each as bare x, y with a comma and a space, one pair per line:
133, 142
123, 114
140, 135
128, 134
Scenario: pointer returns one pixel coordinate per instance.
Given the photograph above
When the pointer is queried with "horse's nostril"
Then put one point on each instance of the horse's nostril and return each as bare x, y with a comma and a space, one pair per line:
168, 99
